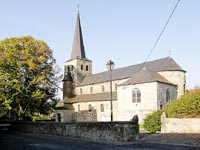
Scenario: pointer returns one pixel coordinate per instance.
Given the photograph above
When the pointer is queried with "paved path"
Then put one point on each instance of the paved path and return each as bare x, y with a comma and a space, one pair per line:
30, 142
179, 139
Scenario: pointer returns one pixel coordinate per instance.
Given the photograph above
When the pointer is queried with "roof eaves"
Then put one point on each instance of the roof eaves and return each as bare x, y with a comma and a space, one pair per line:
167, 83
86, 59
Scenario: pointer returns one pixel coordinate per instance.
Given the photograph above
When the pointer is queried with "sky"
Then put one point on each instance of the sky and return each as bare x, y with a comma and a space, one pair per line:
121, 30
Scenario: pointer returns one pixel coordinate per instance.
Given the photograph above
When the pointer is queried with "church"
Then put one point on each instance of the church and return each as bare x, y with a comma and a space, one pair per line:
119, 94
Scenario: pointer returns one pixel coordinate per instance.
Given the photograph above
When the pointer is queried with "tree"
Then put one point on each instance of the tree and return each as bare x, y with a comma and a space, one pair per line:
28, 79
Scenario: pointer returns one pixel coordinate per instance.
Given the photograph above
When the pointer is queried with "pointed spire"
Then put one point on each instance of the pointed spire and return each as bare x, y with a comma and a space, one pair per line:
78, 50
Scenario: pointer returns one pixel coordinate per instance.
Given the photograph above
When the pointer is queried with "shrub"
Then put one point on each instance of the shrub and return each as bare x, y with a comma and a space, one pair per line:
188, 106
152, 122
41, 118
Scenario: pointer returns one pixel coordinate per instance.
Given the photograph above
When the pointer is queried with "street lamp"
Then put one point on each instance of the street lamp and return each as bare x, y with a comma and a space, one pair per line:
110, 66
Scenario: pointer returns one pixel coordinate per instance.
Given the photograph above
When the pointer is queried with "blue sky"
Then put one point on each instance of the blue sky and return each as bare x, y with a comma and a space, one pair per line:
121, 30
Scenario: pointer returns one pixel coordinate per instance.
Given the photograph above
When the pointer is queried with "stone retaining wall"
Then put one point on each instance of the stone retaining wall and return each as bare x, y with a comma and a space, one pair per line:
179, 125
117, 131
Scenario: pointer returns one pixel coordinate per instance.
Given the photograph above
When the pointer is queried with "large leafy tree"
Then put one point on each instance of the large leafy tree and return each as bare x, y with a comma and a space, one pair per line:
27, 76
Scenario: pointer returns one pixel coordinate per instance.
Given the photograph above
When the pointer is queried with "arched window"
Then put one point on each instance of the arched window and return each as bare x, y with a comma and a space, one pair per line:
168, 96
79, 108
102, 88
87, 68
59, 117
81, 67
91, 90
136, 96
133, 96
89, 107
81, 91
72, 68
102, 108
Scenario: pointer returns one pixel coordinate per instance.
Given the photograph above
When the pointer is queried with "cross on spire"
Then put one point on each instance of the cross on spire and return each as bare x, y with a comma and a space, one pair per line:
77, 4
170, 53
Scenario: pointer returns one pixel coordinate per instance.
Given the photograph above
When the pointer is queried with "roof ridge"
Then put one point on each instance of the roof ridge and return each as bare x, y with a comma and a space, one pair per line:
159, 65
134, 65
146, 75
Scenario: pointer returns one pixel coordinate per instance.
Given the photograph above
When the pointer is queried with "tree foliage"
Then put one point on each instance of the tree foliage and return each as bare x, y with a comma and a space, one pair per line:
188, 106
27, 76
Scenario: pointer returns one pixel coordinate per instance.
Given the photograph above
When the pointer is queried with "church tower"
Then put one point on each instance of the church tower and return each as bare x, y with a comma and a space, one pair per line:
78, 64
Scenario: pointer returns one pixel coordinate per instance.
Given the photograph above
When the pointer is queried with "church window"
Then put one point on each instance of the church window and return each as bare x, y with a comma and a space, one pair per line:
168, 96
81, 67
136, 96
89, 107
102, 88
91, 90
81, 91
79, 108
72, 68
102, 108
87, 68
133, 96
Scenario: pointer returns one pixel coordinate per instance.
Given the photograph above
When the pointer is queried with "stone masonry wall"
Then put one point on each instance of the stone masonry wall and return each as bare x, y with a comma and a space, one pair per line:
161, 94
97, 88
179, 125
95, 115
117, 131
177, 78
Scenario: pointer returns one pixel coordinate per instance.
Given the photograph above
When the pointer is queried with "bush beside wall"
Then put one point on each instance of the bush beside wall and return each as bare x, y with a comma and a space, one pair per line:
188, 106
152, 122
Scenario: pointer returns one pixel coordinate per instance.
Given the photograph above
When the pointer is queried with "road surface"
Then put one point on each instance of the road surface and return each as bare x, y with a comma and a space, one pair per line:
33, 142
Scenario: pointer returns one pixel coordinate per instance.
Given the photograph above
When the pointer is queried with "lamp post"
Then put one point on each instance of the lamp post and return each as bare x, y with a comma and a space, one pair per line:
110, 66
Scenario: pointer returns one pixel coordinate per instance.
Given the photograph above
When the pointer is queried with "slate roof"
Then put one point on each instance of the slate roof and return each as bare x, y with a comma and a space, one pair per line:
146, 75
92, 97
78, 50
64, 105
159, 65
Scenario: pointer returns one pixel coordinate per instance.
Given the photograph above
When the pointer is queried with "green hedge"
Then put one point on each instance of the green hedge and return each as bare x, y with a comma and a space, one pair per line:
188, 106
152, 122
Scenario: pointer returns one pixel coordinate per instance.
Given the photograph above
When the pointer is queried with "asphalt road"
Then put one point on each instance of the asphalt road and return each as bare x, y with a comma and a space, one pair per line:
30, 142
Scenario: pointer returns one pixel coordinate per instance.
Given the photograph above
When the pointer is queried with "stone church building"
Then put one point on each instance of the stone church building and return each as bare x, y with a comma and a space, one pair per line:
136, 90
